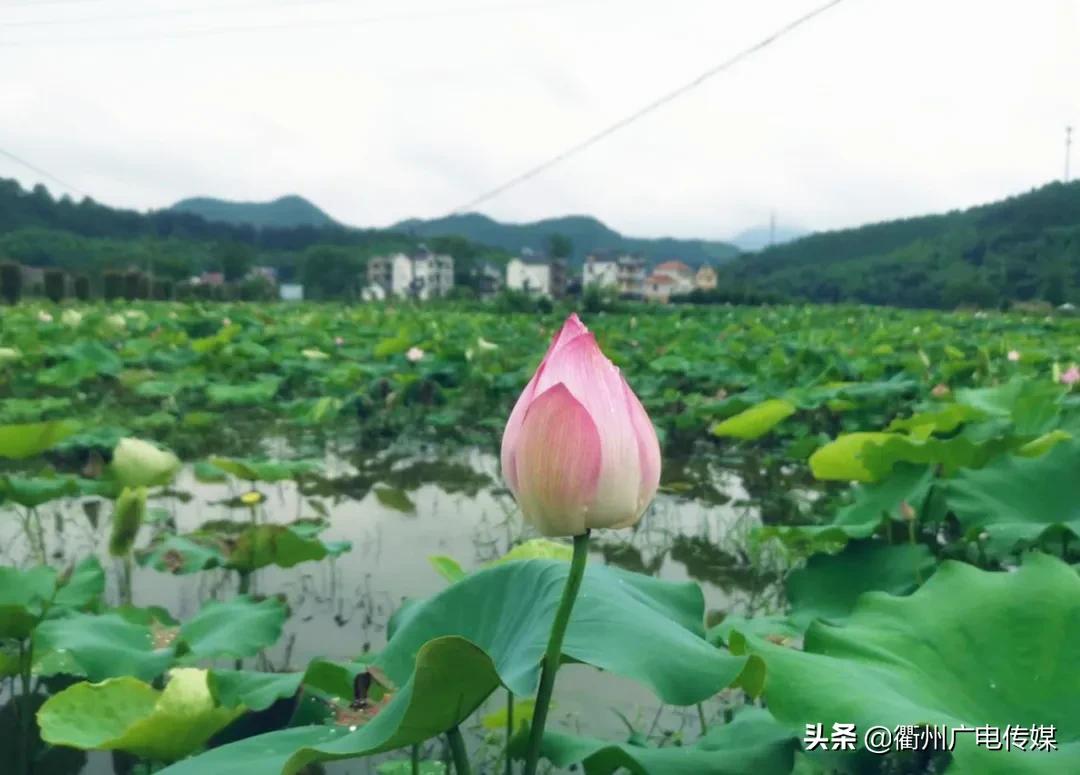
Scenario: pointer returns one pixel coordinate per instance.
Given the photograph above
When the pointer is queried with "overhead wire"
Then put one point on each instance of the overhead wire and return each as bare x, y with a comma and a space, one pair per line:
652, 106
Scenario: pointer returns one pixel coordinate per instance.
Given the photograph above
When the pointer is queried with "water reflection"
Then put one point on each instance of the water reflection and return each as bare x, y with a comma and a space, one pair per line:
397, 509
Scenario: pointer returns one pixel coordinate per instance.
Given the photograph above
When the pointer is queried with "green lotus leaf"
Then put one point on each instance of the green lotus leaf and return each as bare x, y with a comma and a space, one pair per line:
830, 584
969, 647
447, 656
29, 439
241, 546
447, 567
249, 394
873, 504
83, 587
1018, 501
264, 470
34, 491
138, 463
25, 596
98, 647
756, 421
240, 627
754, 742
126, 714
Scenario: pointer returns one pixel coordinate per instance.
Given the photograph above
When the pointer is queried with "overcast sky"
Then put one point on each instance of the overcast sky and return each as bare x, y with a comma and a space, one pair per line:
379, 110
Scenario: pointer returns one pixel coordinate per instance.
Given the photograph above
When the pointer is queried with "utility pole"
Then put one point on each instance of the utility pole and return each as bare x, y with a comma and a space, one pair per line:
772, 227
1068, 150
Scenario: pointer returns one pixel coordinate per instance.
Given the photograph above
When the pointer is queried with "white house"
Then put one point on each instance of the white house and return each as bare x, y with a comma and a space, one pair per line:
423, 275
681, 276
600, 271
530, 272
291, 292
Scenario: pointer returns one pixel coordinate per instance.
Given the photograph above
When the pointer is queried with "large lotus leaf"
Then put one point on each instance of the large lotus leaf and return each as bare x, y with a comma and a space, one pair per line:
452, 678
84, 586
29, 439
128, 715
452, 651
614, 606
240, 627
253, 690
1018, 501
873, 504
98, 647
830, 584
248, 394
33, 491
1032, 405
870, 456
756, 421
264, 470
24, 597
242, 546
182, 554
451, 570
257, 691
754, 742
969, 647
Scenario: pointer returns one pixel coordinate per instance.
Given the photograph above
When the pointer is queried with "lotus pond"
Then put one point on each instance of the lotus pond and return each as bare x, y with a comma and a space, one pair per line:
255, 539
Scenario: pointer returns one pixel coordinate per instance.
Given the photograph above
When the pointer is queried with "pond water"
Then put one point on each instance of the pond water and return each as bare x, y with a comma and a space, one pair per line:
399, 509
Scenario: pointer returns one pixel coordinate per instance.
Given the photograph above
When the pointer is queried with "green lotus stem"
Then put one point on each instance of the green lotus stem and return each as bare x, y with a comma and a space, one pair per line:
701, 719
458, 752
415, 759
911, 538
509, 731
128, 592
554, 650
25, 709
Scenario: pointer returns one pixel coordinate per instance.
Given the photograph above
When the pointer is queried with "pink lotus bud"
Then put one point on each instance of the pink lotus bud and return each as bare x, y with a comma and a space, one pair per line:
1071, 375
414, 354
1014, 355
579, 451
940, 390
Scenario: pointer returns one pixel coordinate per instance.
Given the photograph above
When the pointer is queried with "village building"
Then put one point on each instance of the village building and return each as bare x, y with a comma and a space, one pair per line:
705, 279
421, 275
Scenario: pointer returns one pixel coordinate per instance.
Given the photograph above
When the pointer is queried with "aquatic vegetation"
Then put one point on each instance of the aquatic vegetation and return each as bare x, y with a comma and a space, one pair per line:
900, 490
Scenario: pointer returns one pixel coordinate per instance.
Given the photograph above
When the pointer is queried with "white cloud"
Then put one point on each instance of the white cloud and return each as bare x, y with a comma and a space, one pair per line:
879, 108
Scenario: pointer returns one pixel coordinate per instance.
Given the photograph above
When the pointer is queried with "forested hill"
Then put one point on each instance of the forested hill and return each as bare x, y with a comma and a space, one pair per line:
585, 233
1023, 248
283, 213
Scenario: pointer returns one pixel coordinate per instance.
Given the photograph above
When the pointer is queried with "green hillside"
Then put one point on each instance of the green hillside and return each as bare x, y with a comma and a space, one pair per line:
1023, 248
586, 233
284, 213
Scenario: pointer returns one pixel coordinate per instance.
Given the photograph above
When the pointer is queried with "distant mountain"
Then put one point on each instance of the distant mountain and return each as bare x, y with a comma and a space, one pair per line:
1024, 248
284, 213
586, 233
760, 237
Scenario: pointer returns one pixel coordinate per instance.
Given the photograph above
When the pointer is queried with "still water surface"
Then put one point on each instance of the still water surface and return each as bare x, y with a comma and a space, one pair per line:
397, 510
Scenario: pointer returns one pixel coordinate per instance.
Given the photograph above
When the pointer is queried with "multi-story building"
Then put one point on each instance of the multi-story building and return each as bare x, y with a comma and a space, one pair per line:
422, 275
600, 271
705, 279
533, 272
631, 276
670, 278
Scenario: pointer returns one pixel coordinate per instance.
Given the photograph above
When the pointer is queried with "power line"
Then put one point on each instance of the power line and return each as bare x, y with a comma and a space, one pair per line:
45, 173
642, 112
